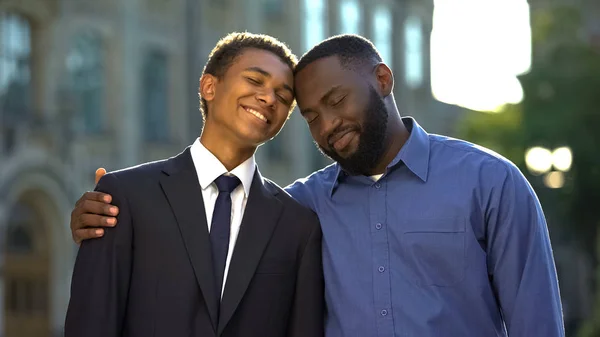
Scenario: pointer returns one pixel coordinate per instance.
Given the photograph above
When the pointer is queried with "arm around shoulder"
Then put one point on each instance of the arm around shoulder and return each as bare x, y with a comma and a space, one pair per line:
100, 283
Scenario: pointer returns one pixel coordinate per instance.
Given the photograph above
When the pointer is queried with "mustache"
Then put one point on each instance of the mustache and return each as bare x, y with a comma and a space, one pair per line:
340, 130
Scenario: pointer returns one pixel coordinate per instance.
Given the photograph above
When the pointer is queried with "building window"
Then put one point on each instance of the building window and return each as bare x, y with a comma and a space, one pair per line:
12, 296
382, 32
314, 22
155, 96
26, 296
413, 46
85, 66
314, 32
15, 74
350, 20
20, 240
19, 232
25, 289
40, 296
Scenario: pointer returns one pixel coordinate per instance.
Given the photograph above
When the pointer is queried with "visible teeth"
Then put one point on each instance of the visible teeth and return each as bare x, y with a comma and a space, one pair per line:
257, 114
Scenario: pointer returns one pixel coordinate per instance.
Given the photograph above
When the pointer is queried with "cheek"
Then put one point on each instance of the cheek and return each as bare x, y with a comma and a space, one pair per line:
282, 115
279, 124
352, 110
223, 97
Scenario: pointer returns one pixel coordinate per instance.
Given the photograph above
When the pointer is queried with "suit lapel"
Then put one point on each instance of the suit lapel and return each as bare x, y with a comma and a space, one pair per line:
182, 189
260, 218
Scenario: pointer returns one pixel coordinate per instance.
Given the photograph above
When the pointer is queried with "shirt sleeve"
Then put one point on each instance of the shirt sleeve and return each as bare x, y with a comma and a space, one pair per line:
520, 261
302, 190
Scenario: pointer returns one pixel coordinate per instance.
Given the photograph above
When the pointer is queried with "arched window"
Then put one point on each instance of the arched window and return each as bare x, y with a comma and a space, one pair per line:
85, 66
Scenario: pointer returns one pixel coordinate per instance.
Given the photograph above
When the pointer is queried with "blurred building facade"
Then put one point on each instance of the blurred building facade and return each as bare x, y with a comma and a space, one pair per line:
87, 84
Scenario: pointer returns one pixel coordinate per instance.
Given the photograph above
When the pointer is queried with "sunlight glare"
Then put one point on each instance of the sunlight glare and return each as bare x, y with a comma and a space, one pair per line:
478, 47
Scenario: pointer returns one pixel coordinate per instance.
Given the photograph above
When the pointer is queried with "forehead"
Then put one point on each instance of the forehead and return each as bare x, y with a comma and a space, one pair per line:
320, 76
258, 58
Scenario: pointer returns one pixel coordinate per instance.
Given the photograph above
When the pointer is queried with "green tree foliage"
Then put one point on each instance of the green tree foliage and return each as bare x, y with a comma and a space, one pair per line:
561, 107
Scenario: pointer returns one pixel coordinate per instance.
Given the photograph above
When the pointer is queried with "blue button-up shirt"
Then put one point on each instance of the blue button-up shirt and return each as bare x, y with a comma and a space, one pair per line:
450, 242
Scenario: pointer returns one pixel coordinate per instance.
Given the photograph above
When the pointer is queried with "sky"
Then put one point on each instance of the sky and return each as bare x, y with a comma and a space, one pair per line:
478, 47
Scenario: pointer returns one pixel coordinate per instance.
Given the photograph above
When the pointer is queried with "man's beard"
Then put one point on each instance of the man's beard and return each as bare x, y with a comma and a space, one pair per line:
371, 142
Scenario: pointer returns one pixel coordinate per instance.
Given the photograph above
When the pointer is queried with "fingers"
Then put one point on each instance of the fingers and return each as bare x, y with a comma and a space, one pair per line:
90, 213
92, 210
86, 224
99, 173
94, 196
94, 221
87, 233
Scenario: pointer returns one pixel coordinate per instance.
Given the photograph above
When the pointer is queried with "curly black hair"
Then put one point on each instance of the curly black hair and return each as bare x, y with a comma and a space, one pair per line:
232, 46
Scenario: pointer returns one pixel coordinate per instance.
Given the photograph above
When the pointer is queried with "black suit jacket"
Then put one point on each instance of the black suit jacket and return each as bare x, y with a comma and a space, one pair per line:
151, 275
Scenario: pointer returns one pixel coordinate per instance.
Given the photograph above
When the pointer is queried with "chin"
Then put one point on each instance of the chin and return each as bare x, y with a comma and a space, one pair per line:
349, 153
254, 137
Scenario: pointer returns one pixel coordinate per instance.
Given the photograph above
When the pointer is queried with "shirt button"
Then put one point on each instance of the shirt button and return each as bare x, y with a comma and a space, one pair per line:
378, 226
381, 269
384, 312
377, 185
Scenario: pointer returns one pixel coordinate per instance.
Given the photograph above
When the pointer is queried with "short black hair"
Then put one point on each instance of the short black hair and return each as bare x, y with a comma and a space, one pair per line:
233, 45
353, 51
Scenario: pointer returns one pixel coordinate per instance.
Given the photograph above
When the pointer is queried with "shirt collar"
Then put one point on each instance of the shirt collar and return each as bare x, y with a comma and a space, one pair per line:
414, 153
209, 168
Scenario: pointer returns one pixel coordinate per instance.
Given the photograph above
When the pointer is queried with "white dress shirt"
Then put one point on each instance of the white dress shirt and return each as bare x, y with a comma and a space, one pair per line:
209, 168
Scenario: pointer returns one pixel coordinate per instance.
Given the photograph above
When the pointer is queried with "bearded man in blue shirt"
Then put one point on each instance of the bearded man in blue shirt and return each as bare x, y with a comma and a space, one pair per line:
423, 235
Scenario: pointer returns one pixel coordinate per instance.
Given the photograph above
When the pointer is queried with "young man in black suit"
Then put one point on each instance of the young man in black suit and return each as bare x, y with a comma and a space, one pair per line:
205, 245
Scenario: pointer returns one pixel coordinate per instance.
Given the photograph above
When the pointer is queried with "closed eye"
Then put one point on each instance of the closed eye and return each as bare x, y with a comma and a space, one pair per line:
338, 101
254, 81
310, 117
283, 100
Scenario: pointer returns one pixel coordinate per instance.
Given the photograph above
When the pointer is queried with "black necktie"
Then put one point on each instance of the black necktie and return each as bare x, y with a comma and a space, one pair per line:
221, 227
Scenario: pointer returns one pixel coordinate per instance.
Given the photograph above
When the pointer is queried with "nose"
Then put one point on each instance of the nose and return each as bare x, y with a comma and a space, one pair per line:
267, 97
329, 122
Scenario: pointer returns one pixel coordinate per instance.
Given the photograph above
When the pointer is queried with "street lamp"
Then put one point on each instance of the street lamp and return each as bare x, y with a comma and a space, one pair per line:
538, 160
562, 158
550, 163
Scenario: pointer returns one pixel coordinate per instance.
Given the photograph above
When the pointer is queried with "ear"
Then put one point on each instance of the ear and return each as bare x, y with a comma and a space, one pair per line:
208, 86
384, 78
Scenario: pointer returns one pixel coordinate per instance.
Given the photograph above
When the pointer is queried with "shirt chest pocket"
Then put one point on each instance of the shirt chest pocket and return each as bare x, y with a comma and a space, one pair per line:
434, 251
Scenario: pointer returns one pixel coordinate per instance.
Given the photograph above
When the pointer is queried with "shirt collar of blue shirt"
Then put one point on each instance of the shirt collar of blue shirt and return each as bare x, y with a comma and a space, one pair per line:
414, 154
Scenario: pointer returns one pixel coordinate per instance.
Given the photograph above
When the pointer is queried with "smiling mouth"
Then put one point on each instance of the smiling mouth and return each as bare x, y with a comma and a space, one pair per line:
256, 114
341, 140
